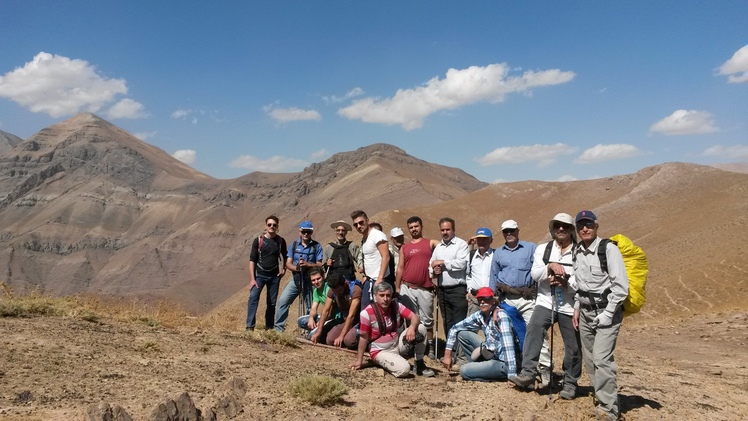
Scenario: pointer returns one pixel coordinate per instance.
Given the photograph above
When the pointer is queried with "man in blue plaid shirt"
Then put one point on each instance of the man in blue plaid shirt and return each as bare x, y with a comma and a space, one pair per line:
494, 359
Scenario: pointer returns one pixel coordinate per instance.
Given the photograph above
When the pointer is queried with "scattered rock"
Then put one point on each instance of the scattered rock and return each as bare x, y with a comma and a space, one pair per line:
104, 412
181, 409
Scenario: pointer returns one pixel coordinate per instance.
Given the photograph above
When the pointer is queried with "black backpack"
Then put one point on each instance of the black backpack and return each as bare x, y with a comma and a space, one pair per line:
342, 260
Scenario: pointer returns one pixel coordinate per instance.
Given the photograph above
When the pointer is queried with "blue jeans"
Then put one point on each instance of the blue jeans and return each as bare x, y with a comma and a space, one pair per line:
482, 371
289, 295
272, 283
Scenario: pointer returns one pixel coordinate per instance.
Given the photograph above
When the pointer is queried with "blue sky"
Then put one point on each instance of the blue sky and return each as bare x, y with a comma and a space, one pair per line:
545, 90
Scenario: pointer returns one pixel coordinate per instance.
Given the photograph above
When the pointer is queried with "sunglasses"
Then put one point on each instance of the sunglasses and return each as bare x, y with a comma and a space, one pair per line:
509, 231
306, 231
585, 224
484, 299
359, 223
557, 225
271, 225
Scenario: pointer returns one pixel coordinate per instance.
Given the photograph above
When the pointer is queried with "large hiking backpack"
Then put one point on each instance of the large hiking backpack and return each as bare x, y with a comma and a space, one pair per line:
636, 269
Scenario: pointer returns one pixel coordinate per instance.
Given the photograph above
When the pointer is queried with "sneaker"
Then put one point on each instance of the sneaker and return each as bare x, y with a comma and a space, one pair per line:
431, 348
545, 375
422, 370
523, 381
569, 392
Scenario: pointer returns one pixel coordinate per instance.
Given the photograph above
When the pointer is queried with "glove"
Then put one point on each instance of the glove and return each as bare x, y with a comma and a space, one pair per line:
603, 319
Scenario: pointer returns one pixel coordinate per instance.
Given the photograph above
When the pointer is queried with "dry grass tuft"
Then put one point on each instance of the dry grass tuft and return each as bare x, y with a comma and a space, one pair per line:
319, 390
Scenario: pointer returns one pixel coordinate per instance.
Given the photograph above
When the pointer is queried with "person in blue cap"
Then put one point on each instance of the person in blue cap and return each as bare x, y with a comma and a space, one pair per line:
304, 254
479, 268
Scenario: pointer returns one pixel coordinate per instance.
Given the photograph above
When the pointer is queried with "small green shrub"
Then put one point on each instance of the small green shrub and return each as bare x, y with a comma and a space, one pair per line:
319, 390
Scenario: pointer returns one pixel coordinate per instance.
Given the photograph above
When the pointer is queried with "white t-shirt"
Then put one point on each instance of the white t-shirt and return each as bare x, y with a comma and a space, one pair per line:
372, 258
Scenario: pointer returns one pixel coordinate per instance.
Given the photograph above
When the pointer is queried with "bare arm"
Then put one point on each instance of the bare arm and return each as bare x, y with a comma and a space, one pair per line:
384, 251
348, 321
363, 342
399, 271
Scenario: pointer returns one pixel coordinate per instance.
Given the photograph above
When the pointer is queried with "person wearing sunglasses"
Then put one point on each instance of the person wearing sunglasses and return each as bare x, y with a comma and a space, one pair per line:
304, 254
598, 311
376, 255
265, 268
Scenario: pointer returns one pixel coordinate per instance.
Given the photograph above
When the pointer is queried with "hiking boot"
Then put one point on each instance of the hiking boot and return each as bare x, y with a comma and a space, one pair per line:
523, 381
422, 370
545, 375
603, 415
569, 392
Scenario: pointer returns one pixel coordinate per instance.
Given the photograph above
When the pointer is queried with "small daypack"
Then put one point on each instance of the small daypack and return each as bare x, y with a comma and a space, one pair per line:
519, 328
636, 269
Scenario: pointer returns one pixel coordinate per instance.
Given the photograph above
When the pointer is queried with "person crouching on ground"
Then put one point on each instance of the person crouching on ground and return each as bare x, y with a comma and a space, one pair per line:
347, 296
319, 296
380, 322
494, 359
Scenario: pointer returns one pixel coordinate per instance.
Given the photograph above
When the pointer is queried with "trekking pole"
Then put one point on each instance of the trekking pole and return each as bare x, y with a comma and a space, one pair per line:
436, 326
553, 315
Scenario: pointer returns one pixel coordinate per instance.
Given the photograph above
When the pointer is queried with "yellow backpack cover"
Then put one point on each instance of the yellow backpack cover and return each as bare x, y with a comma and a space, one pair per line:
636, 269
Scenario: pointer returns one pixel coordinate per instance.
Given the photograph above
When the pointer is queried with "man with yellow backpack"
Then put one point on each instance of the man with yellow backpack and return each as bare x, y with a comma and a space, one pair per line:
598, 311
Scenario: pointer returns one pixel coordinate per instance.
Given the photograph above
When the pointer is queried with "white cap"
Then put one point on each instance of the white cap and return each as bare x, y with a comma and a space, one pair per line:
396, 232
509, 224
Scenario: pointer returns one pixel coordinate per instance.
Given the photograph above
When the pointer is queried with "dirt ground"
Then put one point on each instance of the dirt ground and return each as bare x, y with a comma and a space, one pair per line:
52, 368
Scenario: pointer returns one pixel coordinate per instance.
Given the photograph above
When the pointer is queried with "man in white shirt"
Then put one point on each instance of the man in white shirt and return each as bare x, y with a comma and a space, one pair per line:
552, 270
479, 268
376, 255
449, 263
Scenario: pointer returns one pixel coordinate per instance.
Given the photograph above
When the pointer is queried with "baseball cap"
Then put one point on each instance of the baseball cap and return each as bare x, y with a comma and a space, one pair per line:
484, 292
585, 214
483, 232
509, 224
396, 232
306, 225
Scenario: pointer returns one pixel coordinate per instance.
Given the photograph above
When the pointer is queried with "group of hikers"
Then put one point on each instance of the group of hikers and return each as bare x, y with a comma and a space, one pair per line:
496, 304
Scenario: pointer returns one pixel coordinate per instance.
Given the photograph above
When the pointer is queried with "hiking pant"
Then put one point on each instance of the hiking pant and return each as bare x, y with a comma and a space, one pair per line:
272, 283
597, 349
289, 295
394, 359
349, 340
526, 308
482, 371
423, 302
539, 324
453, 305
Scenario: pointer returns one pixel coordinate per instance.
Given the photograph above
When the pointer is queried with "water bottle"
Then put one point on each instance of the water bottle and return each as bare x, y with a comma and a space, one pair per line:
559, 293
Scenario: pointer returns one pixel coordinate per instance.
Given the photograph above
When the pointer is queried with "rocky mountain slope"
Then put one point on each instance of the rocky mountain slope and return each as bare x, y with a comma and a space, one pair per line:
8, 141
86, 206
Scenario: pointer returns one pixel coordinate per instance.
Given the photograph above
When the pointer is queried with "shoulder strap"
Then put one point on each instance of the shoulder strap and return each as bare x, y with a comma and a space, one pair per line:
601, 248
472, 254
547, 254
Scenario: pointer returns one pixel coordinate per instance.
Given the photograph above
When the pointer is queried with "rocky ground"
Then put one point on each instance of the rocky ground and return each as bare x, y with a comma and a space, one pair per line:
53, 368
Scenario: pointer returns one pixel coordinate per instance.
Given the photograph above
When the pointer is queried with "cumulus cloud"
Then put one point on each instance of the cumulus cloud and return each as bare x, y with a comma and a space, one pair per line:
350, 94
59, 86
600, 153
683, 122
460, 87
543, 155
322, 153
181, 113
274, 164
284, 115
736, 67
736, 152
127, 108
144, 135
188, 156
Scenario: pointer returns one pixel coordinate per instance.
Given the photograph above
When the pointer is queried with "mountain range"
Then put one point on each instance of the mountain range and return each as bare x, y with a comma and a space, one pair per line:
87, 207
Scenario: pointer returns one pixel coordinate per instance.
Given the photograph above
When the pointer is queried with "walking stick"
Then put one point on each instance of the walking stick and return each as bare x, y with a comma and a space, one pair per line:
436, 326
553, 315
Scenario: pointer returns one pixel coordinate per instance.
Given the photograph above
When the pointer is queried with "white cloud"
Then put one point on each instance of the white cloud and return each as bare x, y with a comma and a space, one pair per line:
127, 108
144, 135
188, 156
275, 163
291, 114
350, 94
736, 67
683, 122
59, 86
409, 107
599, 153
181, 113
322, 153
736, 152
567, 177
544, 155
